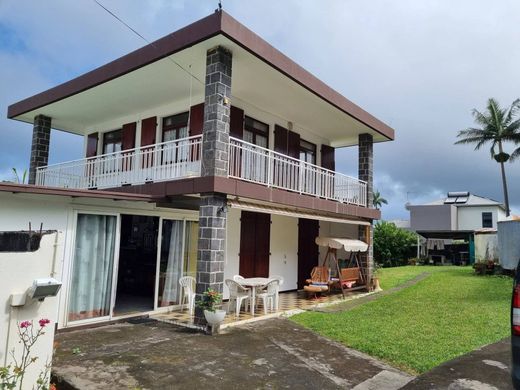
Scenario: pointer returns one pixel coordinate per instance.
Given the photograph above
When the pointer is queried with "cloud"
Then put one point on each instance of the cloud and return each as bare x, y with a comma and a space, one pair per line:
420, 66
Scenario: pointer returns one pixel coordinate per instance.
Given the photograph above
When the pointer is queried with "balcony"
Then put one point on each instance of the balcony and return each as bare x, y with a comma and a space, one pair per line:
180, 159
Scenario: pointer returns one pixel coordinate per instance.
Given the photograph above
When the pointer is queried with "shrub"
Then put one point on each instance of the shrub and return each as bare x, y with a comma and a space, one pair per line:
392, 244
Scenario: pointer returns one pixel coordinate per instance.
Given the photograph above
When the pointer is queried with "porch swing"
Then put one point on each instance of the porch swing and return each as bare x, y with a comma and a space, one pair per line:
349, 278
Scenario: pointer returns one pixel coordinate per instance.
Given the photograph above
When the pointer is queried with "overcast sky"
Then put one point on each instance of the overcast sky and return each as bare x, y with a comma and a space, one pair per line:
420, 66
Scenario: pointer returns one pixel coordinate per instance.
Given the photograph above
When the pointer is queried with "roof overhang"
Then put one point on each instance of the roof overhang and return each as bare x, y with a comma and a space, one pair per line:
446, 234
292, 212
172, 69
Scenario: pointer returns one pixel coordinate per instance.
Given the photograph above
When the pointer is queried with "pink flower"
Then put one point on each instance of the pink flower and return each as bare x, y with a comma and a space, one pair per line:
43, 322
25, 324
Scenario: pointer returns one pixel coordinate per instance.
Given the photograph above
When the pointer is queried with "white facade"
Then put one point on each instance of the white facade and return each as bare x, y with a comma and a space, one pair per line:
470, 218
19, 270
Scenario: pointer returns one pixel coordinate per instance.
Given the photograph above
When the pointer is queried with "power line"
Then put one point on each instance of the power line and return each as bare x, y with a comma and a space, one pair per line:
144, 39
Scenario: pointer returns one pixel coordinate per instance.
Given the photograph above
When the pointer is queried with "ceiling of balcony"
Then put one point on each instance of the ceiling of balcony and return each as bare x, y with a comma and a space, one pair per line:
179, 78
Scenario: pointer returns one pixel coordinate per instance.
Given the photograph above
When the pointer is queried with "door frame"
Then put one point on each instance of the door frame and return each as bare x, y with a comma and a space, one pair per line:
70, 253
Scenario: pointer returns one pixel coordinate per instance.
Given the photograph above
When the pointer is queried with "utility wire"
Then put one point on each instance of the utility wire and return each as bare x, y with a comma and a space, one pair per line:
144, 39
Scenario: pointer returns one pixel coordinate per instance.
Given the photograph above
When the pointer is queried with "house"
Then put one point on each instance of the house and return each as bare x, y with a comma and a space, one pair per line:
207, 153
459, 216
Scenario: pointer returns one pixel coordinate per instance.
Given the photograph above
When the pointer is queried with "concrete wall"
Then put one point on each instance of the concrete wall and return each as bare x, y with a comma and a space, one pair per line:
486, 247
433, 217
470, 218
18, 270
509, 243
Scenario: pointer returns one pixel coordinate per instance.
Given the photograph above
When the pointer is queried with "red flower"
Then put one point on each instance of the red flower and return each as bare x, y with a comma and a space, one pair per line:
44, 321
25, 324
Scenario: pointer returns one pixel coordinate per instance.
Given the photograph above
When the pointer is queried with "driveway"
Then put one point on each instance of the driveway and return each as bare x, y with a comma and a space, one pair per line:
271, 354
487, 368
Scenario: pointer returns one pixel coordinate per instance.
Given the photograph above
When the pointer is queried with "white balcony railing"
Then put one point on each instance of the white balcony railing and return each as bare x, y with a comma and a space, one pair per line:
159, 162
182, 158
260, 165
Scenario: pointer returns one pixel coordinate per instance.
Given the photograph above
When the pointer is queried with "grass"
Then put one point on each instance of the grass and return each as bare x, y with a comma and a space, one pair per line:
449, 313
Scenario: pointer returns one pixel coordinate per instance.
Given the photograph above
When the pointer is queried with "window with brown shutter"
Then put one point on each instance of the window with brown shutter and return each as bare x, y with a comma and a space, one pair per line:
328, 157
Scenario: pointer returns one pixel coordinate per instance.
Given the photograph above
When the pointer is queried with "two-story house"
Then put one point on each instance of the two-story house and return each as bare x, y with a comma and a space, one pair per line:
207, 153
457, 217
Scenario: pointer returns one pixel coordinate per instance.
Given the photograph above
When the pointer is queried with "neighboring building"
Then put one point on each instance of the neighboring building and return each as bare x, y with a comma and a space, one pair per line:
457, 217
207, 153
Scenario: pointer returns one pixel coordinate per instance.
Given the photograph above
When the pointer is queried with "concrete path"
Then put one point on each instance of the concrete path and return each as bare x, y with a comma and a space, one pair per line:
487, 368
272, 354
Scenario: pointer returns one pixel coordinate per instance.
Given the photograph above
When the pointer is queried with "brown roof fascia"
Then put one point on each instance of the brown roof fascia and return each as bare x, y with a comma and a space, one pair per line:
251, 42
99, 194
181, 39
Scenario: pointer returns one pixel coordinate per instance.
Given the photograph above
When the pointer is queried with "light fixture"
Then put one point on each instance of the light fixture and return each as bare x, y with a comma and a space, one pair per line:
222, 210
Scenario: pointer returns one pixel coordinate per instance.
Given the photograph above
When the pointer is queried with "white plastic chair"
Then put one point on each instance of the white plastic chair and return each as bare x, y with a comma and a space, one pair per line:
237, 294
268, 294
280, 282
188, 292
238, 278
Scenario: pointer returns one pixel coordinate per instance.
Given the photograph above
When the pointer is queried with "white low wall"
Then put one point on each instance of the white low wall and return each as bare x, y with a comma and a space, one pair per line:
18, 270
486, 247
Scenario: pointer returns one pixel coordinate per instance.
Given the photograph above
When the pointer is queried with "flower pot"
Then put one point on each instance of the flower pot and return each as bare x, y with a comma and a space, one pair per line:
214, 318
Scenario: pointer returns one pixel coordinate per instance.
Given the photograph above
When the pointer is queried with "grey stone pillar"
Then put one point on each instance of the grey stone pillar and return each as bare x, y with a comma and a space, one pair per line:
366, 164
40, 145
215, 151
215, 148
366, 173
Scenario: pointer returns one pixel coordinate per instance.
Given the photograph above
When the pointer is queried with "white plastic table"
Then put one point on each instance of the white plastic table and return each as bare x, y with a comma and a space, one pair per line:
253, 283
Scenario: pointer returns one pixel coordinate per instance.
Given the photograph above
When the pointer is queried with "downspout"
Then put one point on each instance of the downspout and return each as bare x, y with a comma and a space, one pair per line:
54, 252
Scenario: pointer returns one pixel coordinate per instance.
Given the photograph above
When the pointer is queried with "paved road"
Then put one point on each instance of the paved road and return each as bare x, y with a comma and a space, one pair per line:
272, 354
487, 368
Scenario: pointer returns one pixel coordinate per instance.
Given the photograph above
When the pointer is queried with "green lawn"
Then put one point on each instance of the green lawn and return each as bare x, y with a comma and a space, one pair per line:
449, 313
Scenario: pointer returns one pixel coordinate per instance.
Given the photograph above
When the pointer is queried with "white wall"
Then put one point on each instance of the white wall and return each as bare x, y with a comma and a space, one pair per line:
486, 247
470, 218
18, 270
232, 260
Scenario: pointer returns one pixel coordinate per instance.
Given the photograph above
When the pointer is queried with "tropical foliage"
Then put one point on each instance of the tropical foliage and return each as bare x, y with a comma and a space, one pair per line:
378, 200
497, 126
392, 244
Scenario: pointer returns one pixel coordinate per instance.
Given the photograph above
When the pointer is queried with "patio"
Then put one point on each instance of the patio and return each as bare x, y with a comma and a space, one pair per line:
289, 303
273, 354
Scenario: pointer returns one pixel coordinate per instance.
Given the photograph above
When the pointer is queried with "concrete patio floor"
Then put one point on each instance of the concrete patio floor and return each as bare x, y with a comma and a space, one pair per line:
270, 354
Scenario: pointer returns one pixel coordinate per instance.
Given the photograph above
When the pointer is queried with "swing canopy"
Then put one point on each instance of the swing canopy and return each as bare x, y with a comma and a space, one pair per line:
350, 245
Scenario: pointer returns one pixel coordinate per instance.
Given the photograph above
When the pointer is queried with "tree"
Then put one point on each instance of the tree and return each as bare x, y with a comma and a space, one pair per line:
378, 200
497, 126
391, 244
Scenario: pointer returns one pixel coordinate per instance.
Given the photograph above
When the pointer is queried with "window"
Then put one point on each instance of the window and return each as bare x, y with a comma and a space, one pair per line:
487, 220
175, 127
307, 152
256, 132
112, 142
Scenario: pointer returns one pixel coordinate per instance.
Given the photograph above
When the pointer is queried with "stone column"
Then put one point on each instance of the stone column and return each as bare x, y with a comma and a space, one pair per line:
40, 145
215, 151
366, 173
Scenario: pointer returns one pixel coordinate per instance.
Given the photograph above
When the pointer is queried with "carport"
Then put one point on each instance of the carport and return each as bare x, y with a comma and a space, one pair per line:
466, 235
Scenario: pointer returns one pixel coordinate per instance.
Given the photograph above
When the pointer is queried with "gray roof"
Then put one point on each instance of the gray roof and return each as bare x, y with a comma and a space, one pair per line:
473, 200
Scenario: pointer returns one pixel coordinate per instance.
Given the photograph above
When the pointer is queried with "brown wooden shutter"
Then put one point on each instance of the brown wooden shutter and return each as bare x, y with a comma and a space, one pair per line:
148, 127
328, 160
280, 139
196, 119
236, 122
293, 145
92, 143
128, 136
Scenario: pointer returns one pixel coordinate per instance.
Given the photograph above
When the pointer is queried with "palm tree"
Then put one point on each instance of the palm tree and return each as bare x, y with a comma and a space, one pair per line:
17, 178
497, 126
378, 200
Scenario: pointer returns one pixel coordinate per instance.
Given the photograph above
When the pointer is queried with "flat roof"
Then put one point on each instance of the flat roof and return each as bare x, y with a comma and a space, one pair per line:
99, 194
218, 23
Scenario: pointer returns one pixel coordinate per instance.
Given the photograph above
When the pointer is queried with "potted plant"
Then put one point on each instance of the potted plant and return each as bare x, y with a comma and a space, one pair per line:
210, 303
375, 278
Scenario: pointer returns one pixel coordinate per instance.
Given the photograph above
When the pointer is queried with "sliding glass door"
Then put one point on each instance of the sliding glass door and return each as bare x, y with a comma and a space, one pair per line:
90, 293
